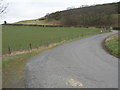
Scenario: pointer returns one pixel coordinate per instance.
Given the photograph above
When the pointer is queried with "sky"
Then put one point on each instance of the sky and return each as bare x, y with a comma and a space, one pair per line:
18, 10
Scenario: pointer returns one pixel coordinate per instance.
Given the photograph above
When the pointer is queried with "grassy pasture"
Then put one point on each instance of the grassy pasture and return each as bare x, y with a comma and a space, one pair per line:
19, 37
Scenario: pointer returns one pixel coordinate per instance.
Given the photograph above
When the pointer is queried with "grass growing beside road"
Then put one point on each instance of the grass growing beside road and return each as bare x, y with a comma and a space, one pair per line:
112, 44
19, 37
13, 69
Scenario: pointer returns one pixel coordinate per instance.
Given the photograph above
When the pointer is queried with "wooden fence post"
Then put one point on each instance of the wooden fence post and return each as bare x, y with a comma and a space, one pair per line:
9, 50
30, 45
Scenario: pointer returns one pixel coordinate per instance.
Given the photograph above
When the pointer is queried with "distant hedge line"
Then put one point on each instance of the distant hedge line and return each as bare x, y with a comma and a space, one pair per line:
116, 28
34, 25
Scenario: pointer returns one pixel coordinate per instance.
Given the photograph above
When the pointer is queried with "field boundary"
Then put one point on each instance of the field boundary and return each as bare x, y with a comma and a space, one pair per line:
34, 25
29, 50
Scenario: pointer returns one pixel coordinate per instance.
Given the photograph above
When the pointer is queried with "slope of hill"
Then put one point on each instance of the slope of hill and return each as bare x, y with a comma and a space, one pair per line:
39, 21
104, 15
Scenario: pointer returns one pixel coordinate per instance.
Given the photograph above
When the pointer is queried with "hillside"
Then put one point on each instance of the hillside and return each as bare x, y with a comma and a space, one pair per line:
104, 15
35, 21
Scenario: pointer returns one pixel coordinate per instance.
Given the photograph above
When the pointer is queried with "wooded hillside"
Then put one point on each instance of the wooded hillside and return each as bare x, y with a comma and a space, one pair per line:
91, 16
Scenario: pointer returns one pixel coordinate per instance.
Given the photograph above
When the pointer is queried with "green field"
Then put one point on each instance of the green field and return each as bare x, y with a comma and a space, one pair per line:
19, 37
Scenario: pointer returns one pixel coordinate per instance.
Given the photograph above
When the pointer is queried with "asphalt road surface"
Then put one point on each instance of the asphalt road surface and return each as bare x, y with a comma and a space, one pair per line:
79, 64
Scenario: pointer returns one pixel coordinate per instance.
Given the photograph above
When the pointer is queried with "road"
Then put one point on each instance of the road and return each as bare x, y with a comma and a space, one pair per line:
78, 64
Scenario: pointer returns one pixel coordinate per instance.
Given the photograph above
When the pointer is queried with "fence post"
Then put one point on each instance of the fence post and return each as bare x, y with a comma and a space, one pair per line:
30, 45
9, 50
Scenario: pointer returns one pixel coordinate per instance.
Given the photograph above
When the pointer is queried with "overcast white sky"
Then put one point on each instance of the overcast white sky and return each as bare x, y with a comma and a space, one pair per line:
31, 9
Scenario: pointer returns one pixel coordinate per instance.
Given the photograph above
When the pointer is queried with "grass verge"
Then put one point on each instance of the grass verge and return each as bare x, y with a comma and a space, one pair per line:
13, 68
112, 45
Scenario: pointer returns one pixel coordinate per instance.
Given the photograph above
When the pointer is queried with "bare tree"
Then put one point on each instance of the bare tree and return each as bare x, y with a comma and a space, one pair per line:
3, 7
72, 7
